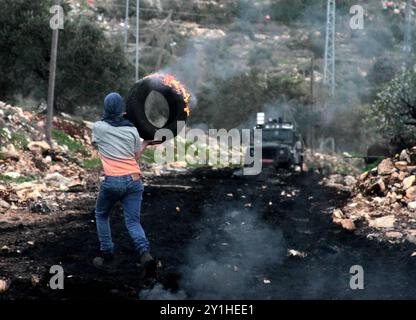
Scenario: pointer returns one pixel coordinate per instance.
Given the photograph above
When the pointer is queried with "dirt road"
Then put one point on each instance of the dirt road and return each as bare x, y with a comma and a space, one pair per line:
217, 236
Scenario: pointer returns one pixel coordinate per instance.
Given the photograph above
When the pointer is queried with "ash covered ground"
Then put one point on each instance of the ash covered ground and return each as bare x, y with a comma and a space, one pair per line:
217, 236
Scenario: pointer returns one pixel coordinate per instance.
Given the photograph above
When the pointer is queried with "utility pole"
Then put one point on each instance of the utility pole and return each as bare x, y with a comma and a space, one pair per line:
165, 26
137, 38
312, 75
329, 67
408, 40
126, 27
51, 87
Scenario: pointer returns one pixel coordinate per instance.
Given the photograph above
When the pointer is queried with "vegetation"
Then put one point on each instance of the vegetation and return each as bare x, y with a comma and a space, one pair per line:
20, 179
63, 139
394, 111
88, 63
93, 163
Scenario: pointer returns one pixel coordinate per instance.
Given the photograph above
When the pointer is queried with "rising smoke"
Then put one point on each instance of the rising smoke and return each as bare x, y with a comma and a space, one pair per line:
223, 263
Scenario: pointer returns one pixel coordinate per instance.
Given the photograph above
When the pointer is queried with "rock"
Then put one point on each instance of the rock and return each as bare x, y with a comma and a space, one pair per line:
4, 285
385, 167
336, 179
4, 204
350, 181
34, 279
411, 169
404, 156
364, 176
296, 253
383, 222
392, 197
394, 234
411, 238
38, 146
377, 187
401, 176
348, 224
401, 165
411, 193
395, 176
57, 179
396, 207
412, 205
178, 164
408, 182
10, 152
47, 160
338, 214
39, 207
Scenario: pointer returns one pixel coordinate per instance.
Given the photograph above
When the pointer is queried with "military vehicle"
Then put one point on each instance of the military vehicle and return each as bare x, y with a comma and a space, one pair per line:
281, 144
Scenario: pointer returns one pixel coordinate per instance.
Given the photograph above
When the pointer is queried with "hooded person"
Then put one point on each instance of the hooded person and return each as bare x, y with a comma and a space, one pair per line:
119, 148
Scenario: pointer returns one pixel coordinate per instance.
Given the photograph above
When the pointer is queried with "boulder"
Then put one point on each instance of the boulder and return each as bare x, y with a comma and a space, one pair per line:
401, 176
411, 193
4, 285
408, 182
394, 235
10, 152
348, 224
377, 187
337, 215
38, 146
404, 156
364, 176
4, 204
57, 179
411, 169
401, 165
350, 181
385, 167
412, 205
383, 222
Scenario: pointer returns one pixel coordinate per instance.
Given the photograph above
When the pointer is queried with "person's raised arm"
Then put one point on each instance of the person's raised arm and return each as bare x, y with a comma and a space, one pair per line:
145, 144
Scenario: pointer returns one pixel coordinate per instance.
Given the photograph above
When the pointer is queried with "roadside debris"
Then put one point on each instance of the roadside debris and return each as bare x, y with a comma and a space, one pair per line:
332, 164
296, 253
34, 174
4, 285
383, 203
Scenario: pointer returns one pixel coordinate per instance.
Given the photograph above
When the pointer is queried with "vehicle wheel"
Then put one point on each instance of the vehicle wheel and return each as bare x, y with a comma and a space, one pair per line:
136, 113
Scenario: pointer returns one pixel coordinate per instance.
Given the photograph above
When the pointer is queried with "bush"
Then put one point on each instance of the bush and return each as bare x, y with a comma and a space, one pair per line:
394, 111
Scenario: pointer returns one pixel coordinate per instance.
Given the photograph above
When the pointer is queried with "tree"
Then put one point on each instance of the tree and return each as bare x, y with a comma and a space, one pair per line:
394, 111
90, 65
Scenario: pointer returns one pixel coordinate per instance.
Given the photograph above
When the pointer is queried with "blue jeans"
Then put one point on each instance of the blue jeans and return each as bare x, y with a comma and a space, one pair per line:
129, 192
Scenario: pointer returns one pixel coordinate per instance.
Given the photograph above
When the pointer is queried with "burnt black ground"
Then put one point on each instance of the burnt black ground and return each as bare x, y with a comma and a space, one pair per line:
206, 250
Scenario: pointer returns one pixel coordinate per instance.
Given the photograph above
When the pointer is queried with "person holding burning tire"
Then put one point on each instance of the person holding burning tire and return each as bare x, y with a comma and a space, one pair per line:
120, 148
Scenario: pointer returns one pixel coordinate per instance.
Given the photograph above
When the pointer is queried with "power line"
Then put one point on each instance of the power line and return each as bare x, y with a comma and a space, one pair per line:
329, 67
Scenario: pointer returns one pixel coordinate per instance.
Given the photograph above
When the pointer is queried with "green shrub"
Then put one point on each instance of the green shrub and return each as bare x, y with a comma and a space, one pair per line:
93, 163
63, 139
21, 179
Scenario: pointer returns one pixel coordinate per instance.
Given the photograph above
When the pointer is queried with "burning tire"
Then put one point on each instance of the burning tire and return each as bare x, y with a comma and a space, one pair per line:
177, 99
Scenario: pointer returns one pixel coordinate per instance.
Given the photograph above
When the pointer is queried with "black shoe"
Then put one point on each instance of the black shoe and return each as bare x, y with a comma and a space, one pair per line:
148, 264
104, 262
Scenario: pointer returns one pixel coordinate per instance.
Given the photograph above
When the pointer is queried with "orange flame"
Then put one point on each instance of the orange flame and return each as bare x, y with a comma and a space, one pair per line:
170, 81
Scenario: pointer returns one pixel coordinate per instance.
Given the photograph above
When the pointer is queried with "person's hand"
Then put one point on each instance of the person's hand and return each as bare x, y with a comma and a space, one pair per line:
151, 142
